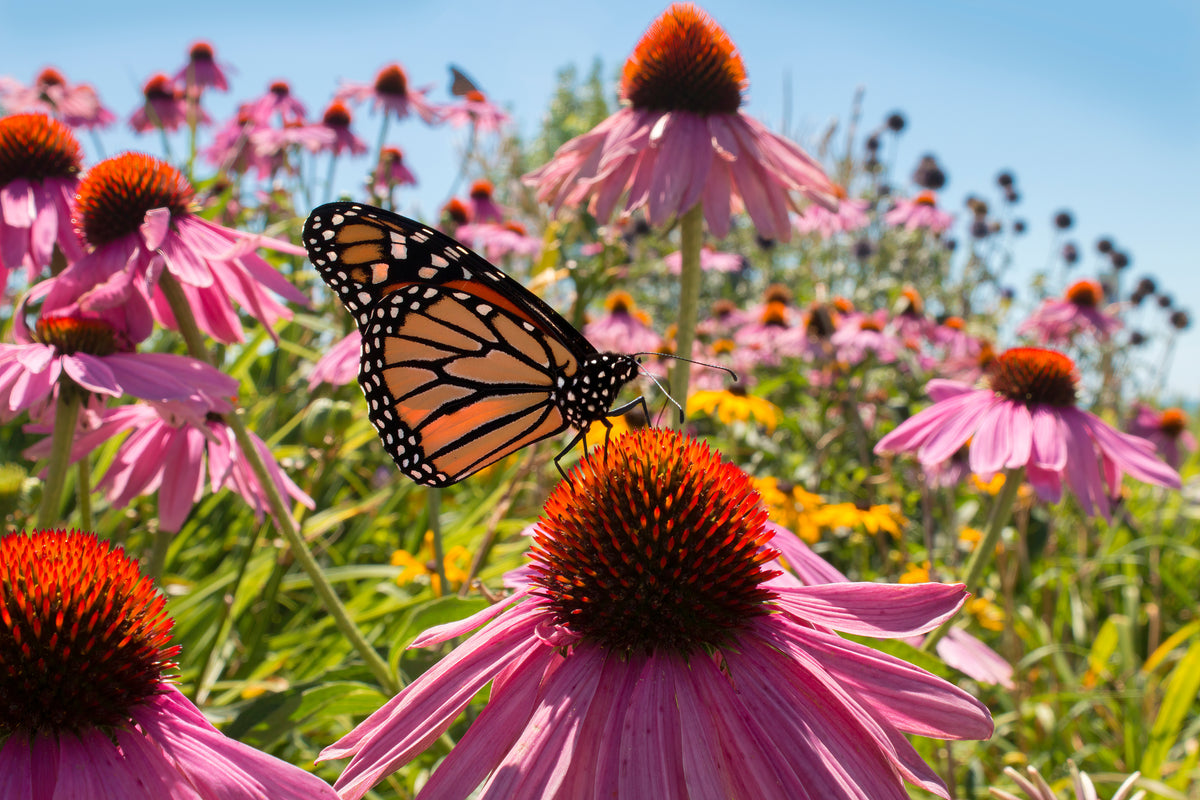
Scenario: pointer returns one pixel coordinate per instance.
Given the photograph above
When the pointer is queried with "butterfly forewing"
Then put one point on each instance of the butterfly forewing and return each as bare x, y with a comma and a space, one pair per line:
461, 365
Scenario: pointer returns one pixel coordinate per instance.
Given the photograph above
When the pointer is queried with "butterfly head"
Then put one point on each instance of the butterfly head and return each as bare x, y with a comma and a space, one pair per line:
587, 395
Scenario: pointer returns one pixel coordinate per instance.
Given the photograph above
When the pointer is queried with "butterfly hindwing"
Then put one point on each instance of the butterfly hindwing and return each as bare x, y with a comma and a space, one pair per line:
461, 365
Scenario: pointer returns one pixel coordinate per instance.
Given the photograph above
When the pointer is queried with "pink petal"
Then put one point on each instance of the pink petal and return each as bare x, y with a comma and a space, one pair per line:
537, 764
223, 767
413, 719
991, 446
493, 732
1133, 454
875, 609
706, 774
913, 700
943, 443
155, 227
650, 739
1049, 440
92, 373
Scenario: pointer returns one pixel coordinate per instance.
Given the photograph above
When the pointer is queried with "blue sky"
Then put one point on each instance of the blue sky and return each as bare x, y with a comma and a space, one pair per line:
1094, 106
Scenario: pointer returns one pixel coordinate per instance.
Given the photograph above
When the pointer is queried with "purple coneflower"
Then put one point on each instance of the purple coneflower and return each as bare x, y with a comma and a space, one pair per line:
39, 173
475, 109
681, 138
391, 171
710, 261
280, 101
337, 119
647, 654
97, 359
1027, 417
498, 240
1059, 320
1167, 430
135, 215
391, 94
164, 107
483, 207
165, 456
339, 365
624, 328
859, 335
919, 212
91, 709
202, 70
76, 104
850, 215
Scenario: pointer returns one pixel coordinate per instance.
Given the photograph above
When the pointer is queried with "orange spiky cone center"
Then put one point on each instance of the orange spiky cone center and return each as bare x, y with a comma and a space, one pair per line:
1086, 293
685, 62
1034, 376
115, 195
36, 147
84, 637
654, 544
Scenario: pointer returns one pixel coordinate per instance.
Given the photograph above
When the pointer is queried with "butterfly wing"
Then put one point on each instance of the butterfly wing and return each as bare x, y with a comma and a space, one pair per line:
460, 84
460, 363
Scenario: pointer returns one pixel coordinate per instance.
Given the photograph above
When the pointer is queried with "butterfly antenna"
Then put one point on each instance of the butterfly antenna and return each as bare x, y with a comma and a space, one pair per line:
662, 389
674, 357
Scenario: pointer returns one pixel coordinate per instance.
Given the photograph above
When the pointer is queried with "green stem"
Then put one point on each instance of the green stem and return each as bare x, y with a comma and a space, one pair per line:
691, 232
279, 511
997, 519
434, 497
158, 554
66, 413
84, 494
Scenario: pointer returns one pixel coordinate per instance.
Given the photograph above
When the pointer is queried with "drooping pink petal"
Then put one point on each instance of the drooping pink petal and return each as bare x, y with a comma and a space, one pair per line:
539, 761
991, 446
452, 630
706, 777
913, 700
753, 759
1049, 440
224, 767
826, 740
1132, 453
944, 442
650, 736
480, 749
155, 227
182, 484
93, 373
427, 706
875, 609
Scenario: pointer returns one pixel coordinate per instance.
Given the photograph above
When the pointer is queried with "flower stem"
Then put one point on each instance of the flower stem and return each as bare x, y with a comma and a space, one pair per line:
691, 231
158, 553
66, 413
279, 511
997, 519
434, 508
84, 494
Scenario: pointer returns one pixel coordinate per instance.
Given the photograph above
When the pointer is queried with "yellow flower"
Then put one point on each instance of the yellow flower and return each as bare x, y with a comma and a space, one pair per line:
915, 573
599, 432
986, 612
991, 486
874, 519
731, 404
455, 564
792, 507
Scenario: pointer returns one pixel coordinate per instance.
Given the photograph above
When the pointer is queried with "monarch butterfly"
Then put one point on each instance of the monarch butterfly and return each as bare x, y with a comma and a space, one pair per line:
461, 365
460, 84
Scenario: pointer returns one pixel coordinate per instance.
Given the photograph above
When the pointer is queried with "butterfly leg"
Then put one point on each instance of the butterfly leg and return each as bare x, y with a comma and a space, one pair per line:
625, 409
